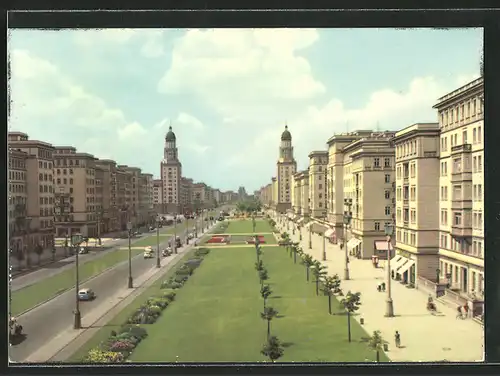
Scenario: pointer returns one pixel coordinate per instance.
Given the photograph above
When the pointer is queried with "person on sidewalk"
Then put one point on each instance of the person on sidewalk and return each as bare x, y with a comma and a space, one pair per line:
466, 310
397, 339
459, 312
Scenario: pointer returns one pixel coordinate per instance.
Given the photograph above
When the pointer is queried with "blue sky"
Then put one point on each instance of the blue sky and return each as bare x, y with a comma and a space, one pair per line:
228, 92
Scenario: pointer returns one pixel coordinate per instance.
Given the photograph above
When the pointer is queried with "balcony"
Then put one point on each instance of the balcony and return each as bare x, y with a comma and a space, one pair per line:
406, 202
464, 148
406, 178
458, 231
458, 203
461, 176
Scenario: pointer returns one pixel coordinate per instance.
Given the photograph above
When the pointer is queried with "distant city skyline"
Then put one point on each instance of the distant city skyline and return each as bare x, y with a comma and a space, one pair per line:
228, 93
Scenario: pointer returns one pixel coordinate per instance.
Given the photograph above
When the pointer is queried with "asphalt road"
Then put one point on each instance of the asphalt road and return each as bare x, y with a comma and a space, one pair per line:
48, 320
50, 270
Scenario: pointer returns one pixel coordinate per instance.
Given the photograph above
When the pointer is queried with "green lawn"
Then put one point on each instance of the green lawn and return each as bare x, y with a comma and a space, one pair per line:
244, 226
116, 322
32, 295
216, 316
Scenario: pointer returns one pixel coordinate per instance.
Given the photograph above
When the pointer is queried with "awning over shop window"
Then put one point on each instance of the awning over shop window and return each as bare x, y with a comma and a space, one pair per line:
405, 267
398, 264
381, 247
329, 233
353, 243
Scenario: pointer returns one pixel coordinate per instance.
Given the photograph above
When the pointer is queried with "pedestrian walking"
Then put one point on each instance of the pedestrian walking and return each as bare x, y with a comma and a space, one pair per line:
459, 312
466, 310
397, 339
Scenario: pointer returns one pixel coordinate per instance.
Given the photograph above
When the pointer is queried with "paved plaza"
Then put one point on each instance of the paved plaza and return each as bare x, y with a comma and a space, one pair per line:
424, 337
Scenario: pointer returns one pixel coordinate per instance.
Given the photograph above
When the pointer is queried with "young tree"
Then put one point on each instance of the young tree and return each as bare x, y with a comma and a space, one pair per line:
308, 261
351, 303
273, 349
319, 272
265, 292
269, 314
258, 252
376, 343
263, 276
259, 266
331, 286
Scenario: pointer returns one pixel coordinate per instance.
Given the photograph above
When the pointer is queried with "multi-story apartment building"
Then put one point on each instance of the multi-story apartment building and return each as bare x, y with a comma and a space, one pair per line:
266, 194
286, 167
367, 185
335, 177
417, 192
274, 189
461, 229
75, 177
145, 198
198, 195
171, 172
157, 196
18, 200
123, 181
110, 209
301, 193
133, 185
209, 199
217, 196
318, 162
186, 188
35, 195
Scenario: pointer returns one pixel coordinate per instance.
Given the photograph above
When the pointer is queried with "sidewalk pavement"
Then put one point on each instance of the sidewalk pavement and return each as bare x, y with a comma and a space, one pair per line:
424, 337
66, 343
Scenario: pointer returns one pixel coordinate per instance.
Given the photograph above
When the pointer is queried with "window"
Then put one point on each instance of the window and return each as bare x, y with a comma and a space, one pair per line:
413, 193
387, 178
376, 162
387, 210
479, 163
377, 226
320, 186
479, 136
387, 194
387, 162
413, 216
464, 137
457, 219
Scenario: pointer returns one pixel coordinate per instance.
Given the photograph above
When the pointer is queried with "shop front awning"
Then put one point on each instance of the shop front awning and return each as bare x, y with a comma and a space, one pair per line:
398, 264
353, 243
405, 267
329, 233
381, 247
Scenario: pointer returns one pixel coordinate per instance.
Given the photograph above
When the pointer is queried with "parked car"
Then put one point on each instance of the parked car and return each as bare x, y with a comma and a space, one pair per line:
86, 294
83, 250
166, 252
148, 253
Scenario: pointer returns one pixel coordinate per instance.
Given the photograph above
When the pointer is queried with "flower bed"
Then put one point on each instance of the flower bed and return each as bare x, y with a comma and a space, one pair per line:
118, 347
219, 240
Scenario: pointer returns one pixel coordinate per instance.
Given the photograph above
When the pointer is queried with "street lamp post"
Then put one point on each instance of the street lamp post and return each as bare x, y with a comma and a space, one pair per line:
130, 279
175, 234
76, 239
324, 246
299, 228
158, 242
438, 272
310, 236
347, 220
99, 226
187, 229
389, 229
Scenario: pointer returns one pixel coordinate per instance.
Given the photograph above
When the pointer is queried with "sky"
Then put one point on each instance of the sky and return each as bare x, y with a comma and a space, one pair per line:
228, 93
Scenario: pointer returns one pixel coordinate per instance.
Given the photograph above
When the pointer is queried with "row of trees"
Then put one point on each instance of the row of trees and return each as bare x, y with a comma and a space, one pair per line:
331, 287
251, 205
273, 348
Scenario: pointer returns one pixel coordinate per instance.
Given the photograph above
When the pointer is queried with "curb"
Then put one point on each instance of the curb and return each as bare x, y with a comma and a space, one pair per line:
69, 288
134, 294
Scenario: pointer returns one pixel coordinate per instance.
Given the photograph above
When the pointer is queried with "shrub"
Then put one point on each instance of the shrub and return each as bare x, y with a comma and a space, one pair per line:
202, 251
184, 270
134, 330
160, 302
99, 356
171, 284
181, 279
122, 345
144, 315
155, 310
169, 295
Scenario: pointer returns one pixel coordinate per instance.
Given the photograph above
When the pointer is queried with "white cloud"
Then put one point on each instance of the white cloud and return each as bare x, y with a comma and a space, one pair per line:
49, 105
151, 39
189, 120
230, 68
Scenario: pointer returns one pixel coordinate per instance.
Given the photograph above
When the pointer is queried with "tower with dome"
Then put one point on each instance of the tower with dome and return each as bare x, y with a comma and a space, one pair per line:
171, 173
286, 167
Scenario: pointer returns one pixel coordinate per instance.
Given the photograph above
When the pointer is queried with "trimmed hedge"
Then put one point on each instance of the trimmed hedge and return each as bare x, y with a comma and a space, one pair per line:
118, 347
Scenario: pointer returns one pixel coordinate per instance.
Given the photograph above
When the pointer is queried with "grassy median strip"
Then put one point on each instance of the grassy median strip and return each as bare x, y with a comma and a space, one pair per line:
116, 322
29, 296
